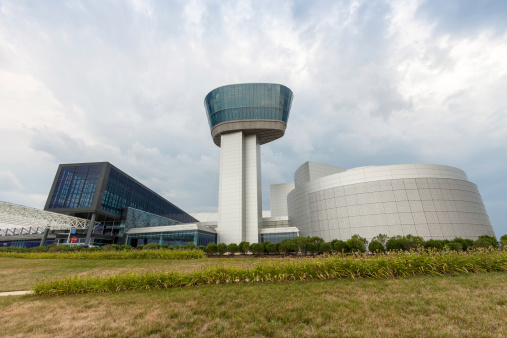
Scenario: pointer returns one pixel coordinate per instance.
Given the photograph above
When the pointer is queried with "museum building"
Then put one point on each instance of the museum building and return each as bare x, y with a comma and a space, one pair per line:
105, 205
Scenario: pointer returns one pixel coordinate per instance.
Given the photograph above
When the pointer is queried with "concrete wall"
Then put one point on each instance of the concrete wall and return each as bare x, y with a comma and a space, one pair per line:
278, 198
431, 201
239, 197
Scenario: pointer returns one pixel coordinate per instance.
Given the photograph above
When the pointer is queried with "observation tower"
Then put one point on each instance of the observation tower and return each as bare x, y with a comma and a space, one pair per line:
241, 118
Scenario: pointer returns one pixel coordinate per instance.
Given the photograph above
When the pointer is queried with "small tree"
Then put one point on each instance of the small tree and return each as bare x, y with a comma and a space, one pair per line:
341, 246
325, 248
454, 246
211, 248
287, 246
202, 248
357, 243
376, 247
257, 248
381, 238
244, 247
503, 242
434, 244
222, 248
487, 239
265, 246
232, 248
272, 248
302, 242
312, 248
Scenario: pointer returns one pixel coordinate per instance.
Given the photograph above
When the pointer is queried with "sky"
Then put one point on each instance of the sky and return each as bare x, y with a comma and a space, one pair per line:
374, 83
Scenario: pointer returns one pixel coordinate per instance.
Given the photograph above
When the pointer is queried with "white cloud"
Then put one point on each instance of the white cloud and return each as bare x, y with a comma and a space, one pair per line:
375, 82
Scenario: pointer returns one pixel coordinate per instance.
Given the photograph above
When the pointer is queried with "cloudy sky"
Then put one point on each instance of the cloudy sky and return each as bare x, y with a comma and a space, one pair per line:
375, 82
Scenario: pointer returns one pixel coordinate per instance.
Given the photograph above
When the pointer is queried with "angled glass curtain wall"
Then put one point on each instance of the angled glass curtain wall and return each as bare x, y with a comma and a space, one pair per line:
76, 187
122, 192
181, 238
277, 237
250, 101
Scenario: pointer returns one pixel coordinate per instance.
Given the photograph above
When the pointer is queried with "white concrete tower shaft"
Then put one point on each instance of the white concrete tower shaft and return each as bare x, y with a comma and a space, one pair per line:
240, 195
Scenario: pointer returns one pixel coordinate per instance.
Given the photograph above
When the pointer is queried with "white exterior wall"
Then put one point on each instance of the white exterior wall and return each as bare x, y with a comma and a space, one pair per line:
252, 188
278, 198
239, 197
230, 193
431, 201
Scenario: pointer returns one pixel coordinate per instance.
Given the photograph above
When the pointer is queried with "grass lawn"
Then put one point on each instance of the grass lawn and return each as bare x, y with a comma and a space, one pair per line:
471, 305
22, 274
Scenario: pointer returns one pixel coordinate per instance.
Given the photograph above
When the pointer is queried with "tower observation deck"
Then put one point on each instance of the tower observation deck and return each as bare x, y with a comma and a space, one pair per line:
241, 118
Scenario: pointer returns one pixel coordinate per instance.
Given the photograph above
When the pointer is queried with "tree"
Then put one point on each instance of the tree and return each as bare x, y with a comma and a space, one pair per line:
301, 243
454, 246
325, 248
211, 248
272, 248
287, 246
503, 242
381, 238
232, 248
222, 248
490, 239
312, 248
395, 243
357, 243
376, 247
434, 244
340, 246
244, 247
257, 248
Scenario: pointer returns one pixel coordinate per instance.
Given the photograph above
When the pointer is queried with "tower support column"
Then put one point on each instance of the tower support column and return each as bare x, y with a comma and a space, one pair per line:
239, 199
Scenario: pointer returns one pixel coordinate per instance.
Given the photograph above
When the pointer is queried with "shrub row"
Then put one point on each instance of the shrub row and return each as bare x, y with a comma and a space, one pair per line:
133, 254
401, 264
380, 243
109, 247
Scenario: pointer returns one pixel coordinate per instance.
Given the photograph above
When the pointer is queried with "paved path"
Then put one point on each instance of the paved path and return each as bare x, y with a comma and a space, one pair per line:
15, 293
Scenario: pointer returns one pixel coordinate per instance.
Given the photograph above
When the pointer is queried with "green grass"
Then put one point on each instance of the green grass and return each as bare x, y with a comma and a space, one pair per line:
401, 264
465, 305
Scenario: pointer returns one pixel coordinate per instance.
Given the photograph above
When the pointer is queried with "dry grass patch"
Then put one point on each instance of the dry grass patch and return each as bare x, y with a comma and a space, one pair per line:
472, 305
22, 274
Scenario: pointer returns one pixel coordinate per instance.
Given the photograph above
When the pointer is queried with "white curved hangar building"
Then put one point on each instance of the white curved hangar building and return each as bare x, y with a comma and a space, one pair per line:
427, 200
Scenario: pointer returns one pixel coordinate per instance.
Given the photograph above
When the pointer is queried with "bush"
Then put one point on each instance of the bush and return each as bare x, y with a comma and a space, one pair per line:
503, 242
191, 246
454, 246
151, 246
211, 249
257, 248
176, 247
340, 246
312, 248
325, 248
381, 238
287, 246
125, 247
202, 248
272, 249
491, 240
265, 246
232, 248
139, 247
302, 243
244, 247
433, 244
221, 248
376, 247
39, 249
357, 244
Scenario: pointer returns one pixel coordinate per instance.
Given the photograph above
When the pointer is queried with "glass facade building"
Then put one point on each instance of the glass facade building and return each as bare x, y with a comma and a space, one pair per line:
172, 238
249, 101
85, 188
276, 237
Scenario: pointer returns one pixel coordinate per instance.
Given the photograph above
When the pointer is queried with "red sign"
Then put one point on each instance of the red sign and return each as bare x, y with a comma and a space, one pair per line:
73, 239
